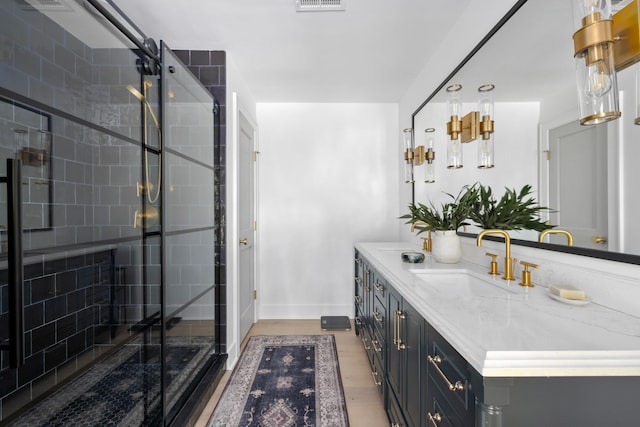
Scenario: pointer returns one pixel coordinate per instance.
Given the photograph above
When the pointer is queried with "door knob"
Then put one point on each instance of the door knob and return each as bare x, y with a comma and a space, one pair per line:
244, 241
599, 239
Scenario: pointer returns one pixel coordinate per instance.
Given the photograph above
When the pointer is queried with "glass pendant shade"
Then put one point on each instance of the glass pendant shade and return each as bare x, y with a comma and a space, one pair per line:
429, 170
454, 127
595, 67
485, 153
407, 137
454, 154
454, 103
485, 142
583, 8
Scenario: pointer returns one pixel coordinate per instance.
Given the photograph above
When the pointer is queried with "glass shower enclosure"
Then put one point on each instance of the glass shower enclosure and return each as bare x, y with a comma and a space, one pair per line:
108, 307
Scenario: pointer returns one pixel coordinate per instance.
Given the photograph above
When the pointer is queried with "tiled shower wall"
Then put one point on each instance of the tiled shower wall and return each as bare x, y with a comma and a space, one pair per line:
210, 68
96, 157
71, 305
95, 164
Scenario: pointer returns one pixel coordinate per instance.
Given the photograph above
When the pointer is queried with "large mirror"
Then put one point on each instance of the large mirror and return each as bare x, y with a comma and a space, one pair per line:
586, 174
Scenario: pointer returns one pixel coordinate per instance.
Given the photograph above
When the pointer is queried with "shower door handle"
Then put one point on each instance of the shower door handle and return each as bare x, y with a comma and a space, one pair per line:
15, 263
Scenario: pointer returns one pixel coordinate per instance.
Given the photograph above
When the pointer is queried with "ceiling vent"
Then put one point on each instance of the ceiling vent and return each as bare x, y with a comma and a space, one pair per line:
44, 5
320, 5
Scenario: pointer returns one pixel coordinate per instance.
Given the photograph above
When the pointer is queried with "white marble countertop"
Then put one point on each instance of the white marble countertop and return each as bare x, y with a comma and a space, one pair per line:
512, 331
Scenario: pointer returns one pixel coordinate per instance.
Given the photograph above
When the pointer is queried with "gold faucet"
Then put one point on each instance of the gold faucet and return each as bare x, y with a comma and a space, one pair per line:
508, 268
427, 243
557, 231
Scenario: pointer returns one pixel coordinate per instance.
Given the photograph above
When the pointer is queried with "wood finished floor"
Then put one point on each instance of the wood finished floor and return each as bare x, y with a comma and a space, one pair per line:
364, 403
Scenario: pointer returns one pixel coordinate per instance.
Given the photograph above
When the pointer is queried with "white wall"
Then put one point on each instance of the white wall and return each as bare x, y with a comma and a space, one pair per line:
327, 179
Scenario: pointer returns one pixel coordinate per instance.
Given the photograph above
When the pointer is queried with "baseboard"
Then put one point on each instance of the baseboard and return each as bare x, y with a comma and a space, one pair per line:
299, 311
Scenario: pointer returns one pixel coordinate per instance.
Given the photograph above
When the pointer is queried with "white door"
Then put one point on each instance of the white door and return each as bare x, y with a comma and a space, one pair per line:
246, 230
578, 183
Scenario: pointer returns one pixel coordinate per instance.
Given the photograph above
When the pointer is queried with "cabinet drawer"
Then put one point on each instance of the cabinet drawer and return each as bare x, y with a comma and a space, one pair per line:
379, 287
448, 371
393, 409
365, 336
379, 318
377, 372
379, 347
439, 413
358, 321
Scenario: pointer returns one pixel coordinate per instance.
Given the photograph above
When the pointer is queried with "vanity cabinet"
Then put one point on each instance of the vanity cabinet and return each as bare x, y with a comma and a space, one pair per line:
405, 358
392, 334
450, 398
370, 319
429, 342
423, 380
358, 280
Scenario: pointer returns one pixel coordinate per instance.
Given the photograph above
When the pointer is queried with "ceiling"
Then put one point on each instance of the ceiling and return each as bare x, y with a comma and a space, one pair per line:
371, 52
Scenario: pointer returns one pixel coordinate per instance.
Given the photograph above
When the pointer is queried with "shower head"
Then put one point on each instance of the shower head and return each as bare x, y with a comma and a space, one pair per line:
135, 92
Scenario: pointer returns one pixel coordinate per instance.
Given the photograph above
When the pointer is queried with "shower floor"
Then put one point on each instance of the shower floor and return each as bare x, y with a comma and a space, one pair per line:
122, 390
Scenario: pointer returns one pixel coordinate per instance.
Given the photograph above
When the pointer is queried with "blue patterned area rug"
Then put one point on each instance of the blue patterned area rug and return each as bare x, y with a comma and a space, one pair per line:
284, 381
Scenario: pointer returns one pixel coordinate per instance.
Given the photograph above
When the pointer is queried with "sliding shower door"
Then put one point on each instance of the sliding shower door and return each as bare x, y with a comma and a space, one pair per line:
188, 231
107, 281
82, 346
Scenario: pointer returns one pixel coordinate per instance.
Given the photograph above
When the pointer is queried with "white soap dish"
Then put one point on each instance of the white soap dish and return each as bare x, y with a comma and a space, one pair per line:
577, 302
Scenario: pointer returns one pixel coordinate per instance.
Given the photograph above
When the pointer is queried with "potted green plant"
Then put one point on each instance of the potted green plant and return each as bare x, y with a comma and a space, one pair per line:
515, 210
444, 223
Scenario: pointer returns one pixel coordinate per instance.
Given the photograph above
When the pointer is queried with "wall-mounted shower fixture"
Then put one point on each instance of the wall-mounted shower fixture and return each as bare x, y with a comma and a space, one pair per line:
148, 217
147, 186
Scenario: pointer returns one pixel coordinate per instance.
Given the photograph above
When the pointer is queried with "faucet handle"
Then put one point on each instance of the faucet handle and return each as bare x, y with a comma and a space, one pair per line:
494, 264
526, 274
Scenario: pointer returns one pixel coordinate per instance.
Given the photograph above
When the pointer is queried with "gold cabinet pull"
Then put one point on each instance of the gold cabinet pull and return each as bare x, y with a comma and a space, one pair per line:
435, 418
395, 328
364, 343
359, 280
377, 316
400, 316
358, 321
377, 382
379, 287
244, 241
599, 240
377, 348
436, 361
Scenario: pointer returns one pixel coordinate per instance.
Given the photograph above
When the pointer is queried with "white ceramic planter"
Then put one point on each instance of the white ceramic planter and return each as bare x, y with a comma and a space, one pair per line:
446, 247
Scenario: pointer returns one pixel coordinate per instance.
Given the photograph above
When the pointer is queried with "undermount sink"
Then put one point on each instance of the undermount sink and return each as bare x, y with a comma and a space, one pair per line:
460, 283
429, 271
397, 249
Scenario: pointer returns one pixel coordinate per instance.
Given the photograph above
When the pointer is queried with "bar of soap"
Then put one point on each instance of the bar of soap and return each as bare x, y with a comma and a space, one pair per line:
568, 292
